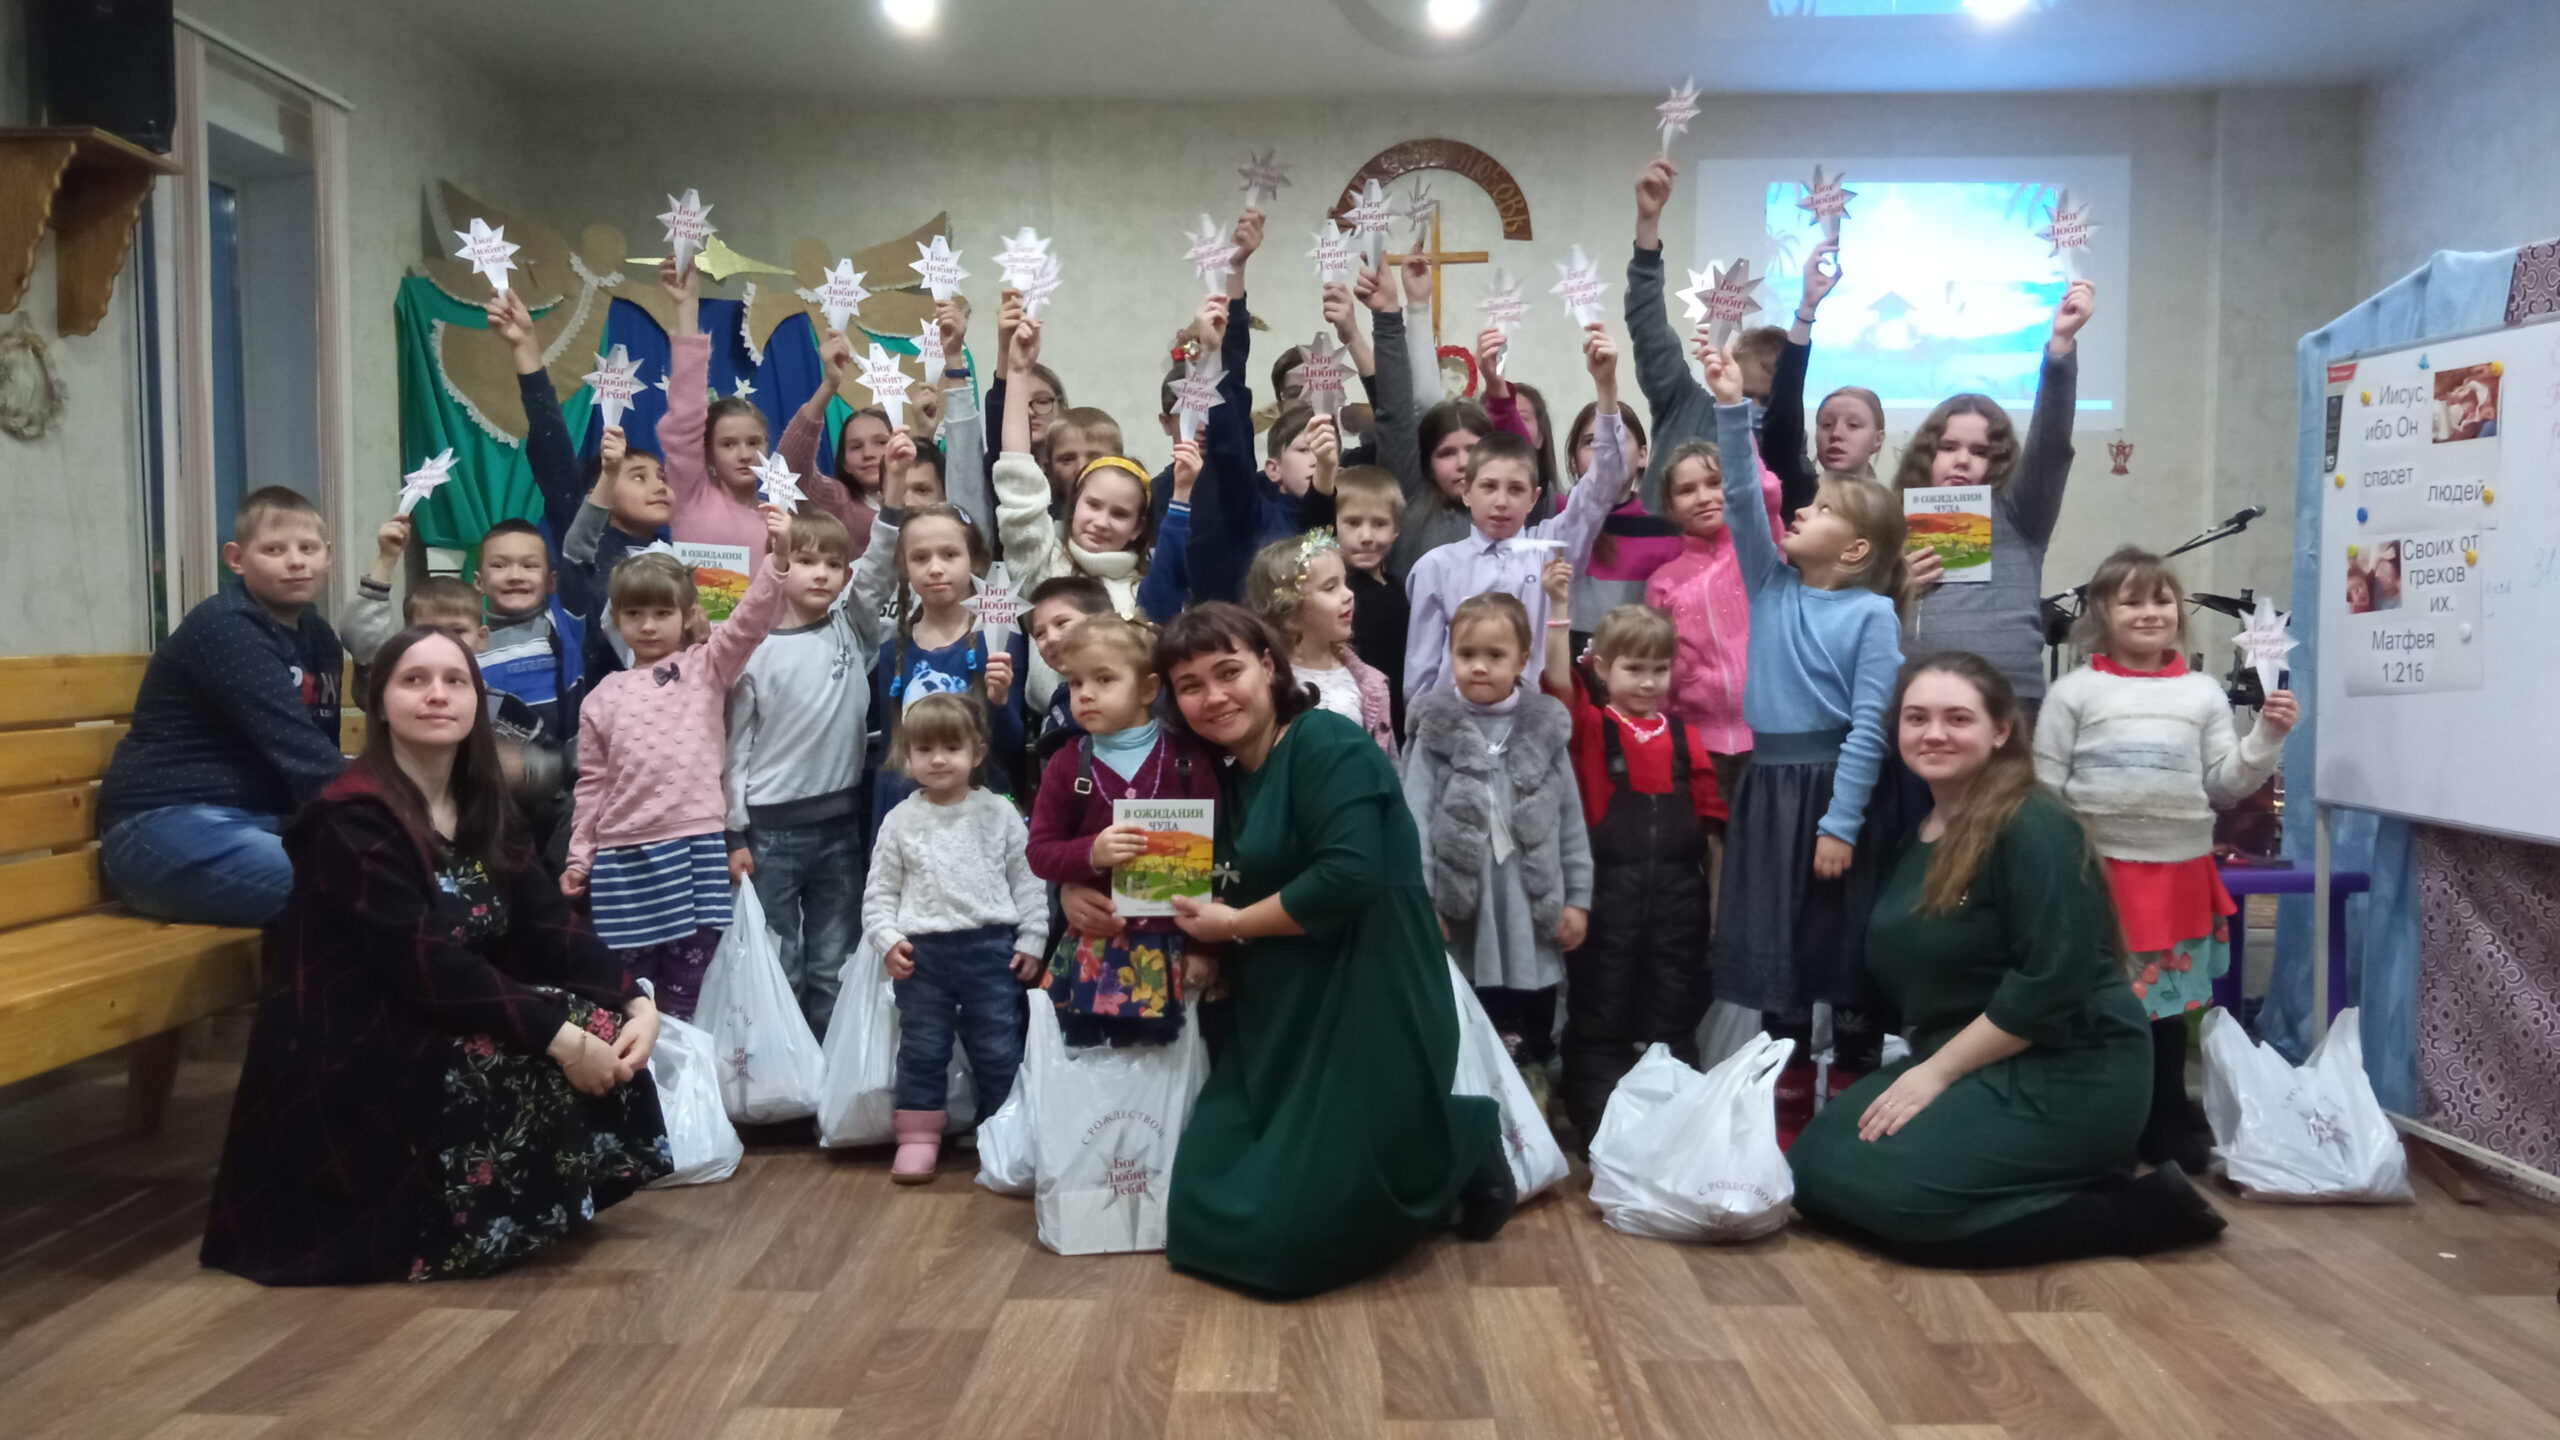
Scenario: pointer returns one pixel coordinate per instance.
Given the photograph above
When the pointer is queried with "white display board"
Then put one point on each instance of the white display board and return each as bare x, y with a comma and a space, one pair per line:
2439, 570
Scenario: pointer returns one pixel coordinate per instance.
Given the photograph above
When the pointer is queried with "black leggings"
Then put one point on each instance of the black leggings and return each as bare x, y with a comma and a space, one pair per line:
2120, 1215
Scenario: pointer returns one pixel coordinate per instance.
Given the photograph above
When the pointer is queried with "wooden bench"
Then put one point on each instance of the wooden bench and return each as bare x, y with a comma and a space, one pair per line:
79, 977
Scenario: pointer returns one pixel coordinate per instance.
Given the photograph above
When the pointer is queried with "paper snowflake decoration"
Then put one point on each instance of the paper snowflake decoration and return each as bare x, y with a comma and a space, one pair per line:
1581, 286
1722, 299
776, 484
887, 383
689, 227
1678, 111
939, 265
928, 340
1212, 254
1196, 394
1323, 376
2067, 228
2264, 641
488, 252
1370, 215
841, 294
997, 604
1042, 285
1332, 253
424, 481
616, 383
1827, 202
1265, 175
1020, 258
746, 389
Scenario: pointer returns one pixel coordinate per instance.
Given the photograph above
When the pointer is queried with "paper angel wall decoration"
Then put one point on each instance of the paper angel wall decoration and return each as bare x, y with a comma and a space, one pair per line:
1722, 299
1332, 253
616, 383
887, 383
939, 266
1369, 216
997, 605
776, 485
1265, 175
1324, 376
1196, 394
424, 481
2067, 229
1212, 253
841, 295
1020, 258
487, 251
1827, 202
2264, 641
1581, 286
1678, 111
689, 227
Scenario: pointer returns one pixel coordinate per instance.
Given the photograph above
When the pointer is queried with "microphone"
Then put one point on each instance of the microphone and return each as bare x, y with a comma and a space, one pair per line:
2241, 520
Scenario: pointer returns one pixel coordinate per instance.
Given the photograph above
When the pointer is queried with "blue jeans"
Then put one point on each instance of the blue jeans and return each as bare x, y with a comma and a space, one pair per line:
199, 864
809, 878
963, 984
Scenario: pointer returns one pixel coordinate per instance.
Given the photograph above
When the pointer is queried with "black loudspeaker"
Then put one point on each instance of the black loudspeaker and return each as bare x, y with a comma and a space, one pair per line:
108, 63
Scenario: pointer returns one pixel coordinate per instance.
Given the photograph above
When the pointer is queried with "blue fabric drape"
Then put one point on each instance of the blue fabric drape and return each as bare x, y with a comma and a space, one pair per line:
781, 384
2452, 293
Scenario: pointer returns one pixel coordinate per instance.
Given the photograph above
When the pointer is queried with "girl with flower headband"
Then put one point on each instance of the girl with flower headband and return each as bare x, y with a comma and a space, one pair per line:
1301, 589
1110, 527
1125, 987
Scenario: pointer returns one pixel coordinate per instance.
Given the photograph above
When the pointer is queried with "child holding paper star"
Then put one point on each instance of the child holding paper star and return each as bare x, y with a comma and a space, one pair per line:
712, 447
1498, 555
626, 511
645, 840
2145, 750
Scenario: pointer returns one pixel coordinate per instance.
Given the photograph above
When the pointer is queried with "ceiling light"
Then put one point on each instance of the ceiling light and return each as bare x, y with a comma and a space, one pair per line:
1995, 11
1448, 17
913, 17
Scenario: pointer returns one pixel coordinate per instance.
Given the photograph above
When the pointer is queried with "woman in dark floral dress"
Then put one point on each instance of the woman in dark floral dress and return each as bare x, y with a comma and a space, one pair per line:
449, 1071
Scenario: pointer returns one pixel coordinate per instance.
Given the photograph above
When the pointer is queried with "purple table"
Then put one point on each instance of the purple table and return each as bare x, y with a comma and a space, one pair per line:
2289, 879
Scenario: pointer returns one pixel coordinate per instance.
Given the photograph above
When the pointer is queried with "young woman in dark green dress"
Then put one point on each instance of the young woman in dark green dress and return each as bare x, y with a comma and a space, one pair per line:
2008, 1136
1326, 1143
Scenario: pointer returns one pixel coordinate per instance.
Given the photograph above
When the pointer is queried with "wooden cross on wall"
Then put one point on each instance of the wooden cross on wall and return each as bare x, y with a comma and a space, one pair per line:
1438, 258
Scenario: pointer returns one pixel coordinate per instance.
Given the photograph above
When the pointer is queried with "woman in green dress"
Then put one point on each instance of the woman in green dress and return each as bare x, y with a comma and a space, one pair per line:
2008, 1136
1326, 1143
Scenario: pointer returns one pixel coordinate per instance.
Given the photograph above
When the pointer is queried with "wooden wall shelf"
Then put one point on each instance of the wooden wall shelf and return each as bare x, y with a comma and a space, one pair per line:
89, 186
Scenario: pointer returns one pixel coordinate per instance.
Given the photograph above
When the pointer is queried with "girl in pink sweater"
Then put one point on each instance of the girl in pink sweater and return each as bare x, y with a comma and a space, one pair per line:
1702, 590
646, 843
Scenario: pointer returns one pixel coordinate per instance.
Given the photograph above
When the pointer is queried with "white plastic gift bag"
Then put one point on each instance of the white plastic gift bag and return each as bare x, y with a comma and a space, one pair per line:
859, 1101
2313, 1134
1689, 1156
1485, 1068
706, 1146
770, 1065
1105, 1122
1006, 1164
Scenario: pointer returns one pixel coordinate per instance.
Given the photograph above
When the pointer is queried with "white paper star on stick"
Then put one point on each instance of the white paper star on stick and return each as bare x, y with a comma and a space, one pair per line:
1332, 253
1827, 202
616, 382
1420, 205
1196, 394
424, 481
1504, 309
2264, 642
841, 294
1678, 111
997, 605
929, 349
1265, 175
1323, 377
1212, 254
1369, 216
939, 265
689, 227
1722, 299
887, 383
777, 485
1039, 288
1020, 258
2067, 229
488, 251
1581, 286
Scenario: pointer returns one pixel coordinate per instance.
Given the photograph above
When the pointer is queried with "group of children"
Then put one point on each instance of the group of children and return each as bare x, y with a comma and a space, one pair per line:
1592, 675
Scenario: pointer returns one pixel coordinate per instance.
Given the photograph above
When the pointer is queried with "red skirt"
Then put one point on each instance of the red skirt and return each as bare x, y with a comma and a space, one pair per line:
2162, 906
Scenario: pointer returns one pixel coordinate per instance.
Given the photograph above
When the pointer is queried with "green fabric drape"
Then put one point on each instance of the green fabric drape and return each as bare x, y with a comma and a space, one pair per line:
492, 481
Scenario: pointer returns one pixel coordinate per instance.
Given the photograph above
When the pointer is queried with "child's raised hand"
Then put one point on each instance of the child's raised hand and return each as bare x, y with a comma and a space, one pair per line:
1490, 343
609, 453
924, 402
1210, 324
1324, 442
1026, 348
510, 321
1556, 578
835, 353
1830, 857
1724, 374
777, 535
393, 537
1373, 291
1008, 319
902, 453
1118, 845
1653, 187
1599, 354
1248, 235
1572, 928
1417, 278
999, 677
1186, 469
900, 962
2280, 713
2079, 303
954, 326
683, 287
1821, 272
1337, 305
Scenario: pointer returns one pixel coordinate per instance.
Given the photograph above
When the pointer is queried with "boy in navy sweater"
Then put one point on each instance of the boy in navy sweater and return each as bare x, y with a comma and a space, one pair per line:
236, 725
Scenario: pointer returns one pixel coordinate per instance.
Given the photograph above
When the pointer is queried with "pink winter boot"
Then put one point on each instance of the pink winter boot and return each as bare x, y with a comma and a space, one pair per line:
919, 1145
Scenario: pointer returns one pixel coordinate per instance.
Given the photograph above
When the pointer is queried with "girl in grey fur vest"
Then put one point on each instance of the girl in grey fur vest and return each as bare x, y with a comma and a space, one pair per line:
1488, 774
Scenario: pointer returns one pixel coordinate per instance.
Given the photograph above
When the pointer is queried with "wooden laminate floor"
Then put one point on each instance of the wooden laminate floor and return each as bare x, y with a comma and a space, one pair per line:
808, 1298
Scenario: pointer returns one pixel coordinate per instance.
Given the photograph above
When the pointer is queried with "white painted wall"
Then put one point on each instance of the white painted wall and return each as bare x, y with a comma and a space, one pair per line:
2461, 153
